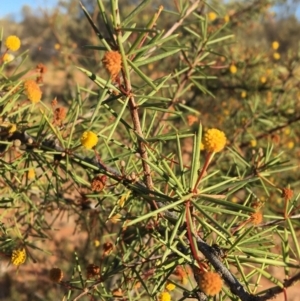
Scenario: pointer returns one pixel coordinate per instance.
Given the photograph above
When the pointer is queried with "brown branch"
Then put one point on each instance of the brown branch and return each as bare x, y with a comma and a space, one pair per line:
235, 286
272, 292
275, 129
185, 77
183, 81
192, 8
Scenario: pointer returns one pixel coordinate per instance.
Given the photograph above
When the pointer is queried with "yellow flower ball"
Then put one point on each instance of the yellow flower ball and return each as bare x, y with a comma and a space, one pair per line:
226, 18
210, 283
96, 243
243, 94
276, 56
275, 45
269, 71
253, 142
18, 256
31, 174
214, 140
233, 69
89, 139
12, 43
12, 128
212, 16
291, 144
32, 91
170, 286
263, 79
287, 131
234, 199
165, 296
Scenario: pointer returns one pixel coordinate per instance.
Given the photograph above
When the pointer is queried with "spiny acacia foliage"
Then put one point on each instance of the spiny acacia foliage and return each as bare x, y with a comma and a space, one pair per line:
174, 166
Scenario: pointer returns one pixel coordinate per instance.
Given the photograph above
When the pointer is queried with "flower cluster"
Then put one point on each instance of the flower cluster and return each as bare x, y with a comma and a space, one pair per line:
112, 62
212, 16
287, 193
256, 218
59, 115
98, 183
210, 283
88, 139
18, 256
12, 128
275, 45
92, 270
182, 274
233, 69
32, 91
214, 140
165, 296
170, 286
12, 43
31, 174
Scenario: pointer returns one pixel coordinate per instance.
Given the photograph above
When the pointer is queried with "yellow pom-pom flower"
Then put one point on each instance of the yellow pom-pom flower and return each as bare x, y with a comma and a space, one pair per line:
212, 16
165, 296
170, 286
276, 56
18, 256
12, 43
263, 79
56, 275
253, 142
89, 139
31, 174
96, 243
226, 18
233, 69
275, 45
12, 128
210, 283
214, 140
243, 94
32, 91
291, 144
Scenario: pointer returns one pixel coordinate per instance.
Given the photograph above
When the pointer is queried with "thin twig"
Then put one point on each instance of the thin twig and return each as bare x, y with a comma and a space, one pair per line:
272, 292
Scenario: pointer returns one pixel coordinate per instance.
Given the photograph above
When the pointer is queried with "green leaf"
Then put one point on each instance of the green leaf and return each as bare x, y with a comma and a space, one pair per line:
142, 61
142, 75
